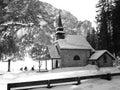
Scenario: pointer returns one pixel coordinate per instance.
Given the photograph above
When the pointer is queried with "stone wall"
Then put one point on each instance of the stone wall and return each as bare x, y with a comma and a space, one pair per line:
68, 58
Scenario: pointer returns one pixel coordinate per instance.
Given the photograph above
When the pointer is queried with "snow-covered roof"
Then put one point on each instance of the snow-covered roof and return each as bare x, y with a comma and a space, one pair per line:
53, 52
97, 54
74, 42
60, 32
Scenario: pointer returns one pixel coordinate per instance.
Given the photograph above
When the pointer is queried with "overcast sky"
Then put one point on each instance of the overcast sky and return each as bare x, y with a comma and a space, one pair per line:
82, 9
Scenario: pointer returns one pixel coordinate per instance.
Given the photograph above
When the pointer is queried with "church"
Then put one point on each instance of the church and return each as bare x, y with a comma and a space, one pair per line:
75, 51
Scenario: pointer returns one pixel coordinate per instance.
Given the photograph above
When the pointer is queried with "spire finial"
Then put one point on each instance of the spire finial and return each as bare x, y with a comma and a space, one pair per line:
59, 20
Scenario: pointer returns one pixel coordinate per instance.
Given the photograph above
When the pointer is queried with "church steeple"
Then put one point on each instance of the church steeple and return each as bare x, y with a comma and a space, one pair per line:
59, 21
60, 34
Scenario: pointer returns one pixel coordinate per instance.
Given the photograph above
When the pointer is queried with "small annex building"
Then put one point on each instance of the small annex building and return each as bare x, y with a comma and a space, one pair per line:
74, 50
101, 58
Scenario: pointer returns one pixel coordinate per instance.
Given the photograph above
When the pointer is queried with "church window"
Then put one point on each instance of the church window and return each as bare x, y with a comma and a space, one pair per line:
93, 63
76, 57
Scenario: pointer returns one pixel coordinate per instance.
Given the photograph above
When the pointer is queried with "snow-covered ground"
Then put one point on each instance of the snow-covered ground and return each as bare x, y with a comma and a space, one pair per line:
93, 84
28, 62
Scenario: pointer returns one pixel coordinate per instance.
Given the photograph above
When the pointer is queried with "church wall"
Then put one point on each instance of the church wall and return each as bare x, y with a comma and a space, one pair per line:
68, 58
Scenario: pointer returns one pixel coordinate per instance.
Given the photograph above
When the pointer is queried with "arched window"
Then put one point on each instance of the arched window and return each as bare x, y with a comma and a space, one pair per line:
76, 57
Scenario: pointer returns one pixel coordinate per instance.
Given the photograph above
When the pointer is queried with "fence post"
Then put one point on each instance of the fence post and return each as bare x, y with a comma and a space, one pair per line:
48, 84
108, 76
78, 81
8, 87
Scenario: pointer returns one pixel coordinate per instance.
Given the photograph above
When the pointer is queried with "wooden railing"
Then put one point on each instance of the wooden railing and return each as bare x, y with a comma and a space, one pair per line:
49, 83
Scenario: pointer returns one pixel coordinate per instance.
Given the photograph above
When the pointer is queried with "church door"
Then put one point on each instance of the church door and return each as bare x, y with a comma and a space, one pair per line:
56, 63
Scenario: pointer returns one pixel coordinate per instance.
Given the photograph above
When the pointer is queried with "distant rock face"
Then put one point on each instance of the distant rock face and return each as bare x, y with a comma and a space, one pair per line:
45, 15
70, 23
86, 27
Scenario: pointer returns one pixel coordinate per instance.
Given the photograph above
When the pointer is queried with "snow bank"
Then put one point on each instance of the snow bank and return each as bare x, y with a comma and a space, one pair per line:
94, 84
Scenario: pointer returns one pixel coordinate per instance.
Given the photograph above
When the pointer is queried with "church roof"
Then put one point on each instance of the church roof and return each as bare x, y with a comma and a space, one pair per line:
74, 42
53, 52
99, 53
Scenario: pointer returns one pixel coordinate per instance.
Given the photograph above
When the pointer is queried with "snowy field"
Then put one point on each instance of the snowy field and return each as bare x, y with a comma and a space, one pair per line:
15, 66
92, 84
23, 76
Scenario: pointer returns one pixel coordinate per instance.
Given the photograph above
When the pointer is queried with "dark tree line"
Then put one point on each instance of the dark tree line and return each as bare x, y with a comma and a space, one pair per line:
103, 28
116, 26
92, 38
108, 25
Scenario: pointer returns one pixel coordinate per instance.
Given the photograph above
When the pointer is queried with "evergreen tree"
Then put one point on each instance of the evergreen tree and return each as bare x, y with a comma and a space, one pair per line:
116, 26
92, 38
104, 25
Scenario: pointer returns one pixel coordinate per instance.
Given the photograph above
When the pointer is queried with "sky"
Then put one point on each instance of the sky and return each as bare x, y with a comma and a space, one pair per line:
82, 9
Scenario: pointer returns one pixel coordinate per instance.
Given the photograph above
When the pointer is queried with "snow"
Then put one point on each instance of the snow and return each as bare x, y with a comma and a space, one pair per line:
99, 53
91, 84
97, 84
21, 32
15, 66
74, 42
53, 52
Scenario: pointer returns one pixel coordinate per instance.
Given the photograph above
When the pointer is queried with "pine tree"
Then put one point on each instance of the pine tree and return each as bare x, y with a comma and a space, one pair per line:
92, 38
104, 25
116, 27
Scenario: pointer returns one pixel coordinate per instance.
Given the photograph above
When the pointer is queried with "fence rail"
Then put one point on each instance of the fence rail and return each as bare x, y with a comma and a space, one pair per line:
49, 83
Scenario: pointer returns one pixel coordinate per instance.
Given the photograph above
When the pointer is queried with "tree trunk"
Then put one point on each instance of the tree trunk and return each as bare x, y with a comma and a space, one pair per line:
9, 65
39, 65
46, 64
52, 64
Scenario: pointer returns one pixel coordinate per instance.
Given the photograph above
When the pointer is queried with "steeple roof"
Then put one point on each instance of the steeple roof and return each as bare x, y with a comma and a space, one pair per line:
60, 34
59, 21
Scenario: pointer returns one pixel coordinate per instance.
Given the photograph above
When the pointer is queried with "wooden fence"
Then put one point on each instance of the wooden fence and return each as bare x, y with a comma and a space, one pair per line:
49, 83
